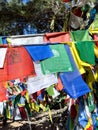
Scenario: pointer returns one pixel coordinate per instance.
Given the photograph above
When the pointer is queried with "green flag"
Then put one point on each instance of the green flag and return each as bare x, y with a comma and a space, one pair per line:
60, 62
86, 51
80, 35
0, 40
50, 91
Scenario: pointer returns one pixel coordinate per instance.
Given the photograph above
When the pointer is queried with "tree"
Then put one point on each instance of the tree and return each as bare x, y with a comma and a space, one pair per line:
43, 15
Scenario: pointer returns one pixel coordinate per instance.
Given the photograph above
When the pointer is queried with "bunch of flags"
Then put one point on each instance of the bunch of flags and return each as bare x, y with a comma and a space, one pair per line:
36, 69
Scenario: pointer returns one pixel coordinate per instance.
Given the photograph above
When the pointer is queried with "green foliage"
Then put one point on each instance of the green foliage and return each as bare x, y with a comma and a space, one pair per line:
14, 16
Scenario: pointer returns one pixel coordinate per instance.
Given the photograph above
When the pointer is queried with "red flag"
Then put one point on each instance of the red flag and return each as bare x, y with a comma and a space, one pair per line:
18, 64
77, 11
96, 39
66, 0
3, 92
57, 37
59, 86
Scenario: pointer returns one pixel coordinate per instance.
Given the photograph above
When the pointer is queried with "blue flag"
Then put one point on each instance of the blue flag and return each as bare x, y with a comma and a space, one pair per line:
39, 52
74, 88
70, 75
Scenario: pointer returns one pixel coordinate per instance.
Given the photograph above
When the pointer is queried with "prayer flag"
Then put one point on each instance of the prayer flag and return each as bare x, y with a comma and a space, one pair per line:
57, 37
80, 35
3, 52
82, 116
96, 51
1, 40
75, 73
74, 21
39, 52
86, 51
25, 40
59, 85
60, 62
18, 63
74, 88
40, 81
66, 0
16, 114
3, 92
50, 90
77, 58
96, 39
4, 41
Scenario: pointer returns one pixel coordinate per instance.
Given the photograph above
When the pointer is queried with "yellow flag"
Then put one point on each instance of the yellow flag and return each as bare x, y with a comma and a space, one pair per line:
96, 73
76, 58
8, 114
35, 107
27, 97
80, 64
42, 107
89, 77
96, 51
50, 115
9, 41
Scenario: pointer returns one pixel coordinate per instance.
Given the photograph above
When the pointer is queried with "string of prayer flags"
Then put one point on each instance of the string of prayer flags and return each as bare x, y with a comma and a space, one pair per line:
95, 121
69, 123
60, 62
86, 51
57, 37
39, 52
90, 101
80, 35
90, 122
18, 64
34, 106
82, 117
72, 115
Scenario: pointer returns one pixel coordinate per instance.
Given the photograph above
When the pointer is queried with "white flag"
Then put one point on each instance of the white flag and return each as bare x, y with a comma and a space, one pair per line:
40, 81
2, 56
26, 40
